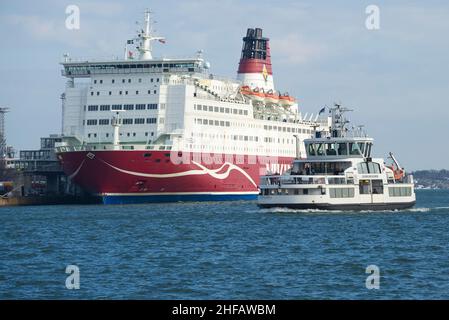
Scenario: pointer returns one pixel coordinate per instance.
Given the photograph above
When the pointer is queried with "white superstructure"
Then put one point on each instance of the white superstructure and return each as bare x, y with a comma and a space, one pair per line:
339, 173
178, 105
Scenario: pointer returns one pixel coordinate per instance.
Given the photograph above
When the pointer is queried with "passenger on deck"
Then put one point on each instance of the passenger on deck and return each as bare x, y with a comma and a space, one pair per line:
307, 168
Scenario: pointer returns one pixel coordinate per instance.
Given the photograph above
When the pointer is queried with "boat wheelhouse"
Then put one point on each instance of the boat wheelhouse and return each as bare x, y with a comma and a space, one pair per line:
339, 173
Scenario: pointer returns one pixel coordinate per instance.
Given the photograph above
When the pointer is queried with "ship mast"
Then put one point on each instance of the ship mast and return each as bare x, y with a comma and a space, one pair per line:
145, 36
339, 122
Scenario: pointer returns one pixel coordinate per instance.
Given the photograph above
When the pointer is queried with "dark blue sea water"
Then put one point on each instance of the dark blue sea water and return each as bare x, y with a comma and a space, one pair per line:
224, 250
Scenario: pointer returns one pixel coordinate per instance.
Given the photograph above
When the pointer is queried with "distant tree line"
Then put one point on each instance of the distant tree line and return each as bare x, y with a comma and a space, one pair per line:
432, 178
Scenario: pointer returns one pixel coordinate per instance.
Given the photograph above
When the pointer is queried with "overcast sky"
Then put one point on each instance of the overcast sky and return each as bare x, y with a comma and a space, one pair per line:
396, 78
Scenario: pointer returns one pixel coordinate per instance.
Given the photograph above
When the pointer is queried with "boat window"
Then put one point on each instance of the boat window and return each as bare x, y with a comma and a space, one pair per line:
353, 150
368, 167
311, 149
368, 150
319, 149
343, 149
327, 168
364, 187
330, 149
337, 180
337, 168
400, 191
362, 147
296, 168
378, 187
373, 167
341, 192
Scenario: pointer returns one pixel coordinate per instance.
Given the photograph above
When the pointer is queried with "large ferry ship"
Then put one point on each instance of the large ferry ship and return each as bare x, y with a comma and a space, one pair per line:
144, 129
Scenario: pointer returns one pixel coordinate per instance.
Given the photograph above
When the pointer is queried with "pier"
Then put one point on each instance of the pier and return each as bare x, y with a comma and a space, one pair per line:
36, 178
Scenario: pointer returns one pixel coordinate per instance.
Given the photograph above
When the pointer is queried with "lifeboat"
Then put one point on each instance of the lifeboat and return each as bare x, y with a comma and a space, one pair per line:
286, 101
246, 91
271, 97
256, 94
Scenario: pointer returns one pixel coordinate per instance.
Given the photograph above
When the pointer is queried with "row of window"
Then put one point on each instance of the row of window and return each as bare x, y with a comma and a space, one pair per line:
128, 107
121, 92
341, 192
230, 137
128, 134
285, 192
244, 138
220, 109
94, 122
279, 140
209, 122
35, 155
236, 148
287, 129
100, 81
320, 168
400, 191
340, 149
368, 168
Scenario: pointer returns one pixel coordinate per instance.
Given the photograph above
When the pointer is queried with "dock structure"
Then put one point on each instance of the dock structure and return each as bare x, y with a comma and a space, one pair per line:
39, 172
36, 178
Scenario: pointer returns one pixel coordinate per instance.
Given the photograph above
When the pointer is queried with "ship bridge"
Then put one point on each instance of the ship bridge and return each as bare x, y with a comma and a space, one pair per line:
339, 142
85, 69
137, 60
336, 148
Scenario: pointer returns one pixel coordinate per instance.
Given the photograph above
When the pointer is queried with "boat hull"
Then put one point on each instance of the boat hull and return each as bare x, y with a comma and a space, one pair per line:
162, 176
181, 197
343, 207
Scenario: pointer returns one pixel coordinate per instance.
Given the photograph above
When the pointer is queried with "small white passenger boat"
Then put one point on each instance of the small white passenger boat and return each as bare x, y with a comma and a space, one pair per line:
339, 174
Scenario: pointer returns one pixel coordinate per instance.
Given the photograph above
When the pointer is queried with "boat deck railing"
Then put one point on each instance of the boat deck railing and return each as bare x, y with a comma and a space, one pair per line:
283, 180
110, 147
292, 180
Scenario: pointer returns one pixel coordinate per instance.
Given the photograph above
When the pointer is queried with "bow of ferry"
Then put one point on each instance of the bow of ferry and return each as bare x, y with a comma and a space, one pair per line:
158, 176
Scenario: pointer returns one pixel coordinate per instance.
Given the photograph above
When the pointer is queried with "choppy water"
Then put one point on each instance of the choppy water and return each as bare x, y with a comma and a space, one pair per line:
224, 250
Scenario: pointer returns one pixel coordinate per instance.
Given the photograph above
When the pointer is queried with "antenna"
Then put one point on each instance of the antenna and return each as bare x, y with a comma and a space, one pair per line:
339, 122
3, 147
145, 36
360, 130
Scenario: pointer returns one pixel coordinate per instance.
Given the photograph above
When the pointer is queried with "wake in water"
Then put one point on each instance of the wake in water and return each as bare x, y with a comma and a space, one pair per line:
288, 210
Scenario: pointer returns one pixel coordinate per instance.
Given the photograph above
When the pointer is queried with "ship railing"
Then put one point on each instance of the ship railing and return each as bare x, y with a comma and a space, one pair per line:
87, 71
301, 180
110, 147
37, 166
211, 76
407, 179
114, 58
292, 180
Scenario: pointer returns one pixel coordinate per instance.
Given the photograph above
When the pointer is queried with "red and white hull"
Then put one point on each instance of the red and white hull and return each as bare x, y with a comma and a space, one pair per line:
158, 176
